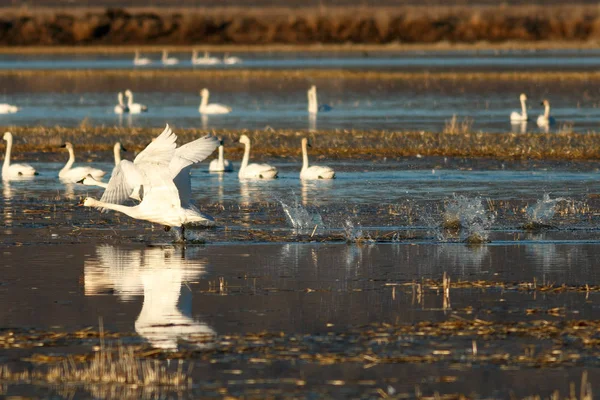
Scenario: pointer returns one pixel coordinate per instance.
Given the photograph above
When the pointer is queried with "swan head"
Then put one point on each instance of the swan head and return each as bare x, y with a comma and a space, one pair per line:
546, 103
523, 97
119, 146
7, 136
306, 142
204, 92
89, 202
221, 141
128, 93
67, 146
244, 139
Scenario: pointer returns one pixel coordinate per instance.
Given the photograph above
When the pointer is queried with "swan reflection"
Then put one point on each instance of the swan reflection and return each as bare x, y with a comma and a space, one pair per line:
159, 274
519, 127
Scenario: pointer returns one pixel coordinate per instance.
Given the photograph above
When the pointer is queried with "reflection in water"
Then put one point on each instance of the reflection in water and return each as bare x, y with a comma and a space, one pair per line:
69, 189
204, 121
7, 207
158, 274
519, 127
312, 122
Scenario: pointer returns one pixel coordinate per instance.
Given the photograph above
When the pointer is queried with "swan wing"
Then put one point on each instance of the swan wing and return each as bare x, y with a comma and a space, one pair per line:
160, 190
160, 151
191, 153
126, 177
183, 182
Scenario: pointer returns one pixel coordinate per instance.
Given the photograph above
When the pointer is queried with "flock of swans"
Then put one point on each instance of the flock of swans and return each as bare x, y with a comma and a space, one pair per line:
544, 120
159, 177
165, 60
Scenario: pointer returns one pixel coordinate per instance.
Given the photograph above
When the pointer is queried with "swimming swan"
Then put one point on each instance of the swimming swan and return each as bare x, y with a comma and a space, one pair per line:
254, 171
73, 175
313, 104
220, 164
206, 60
14, 170
166, 60
545, 120
316, 171
214, 108
89, 179
230, 60
515, 116
137, 60
162, 174
121, 107
134, 108
8, 108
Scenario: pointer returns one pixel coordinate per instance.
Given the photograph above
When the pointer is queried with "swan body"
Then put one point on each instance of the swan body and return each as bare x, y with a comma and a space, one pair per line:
315, 171
8, 108
545, 120
230, 60
166, 60
206, 60
161, 174
14, 170
214, 108
517, 117
313, 104
121, 107
137, 60
73, 175
254, 171
220, 164
134, 108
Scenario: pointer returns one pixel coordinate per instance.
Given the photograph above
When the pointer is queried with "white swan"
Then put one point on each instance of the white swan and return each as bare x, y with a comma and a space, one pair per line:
134, 108
89, 179
545, 120
162, 175
73, 175
166, 60
515, 116
313, 104
14, 170
316, 171
206, 60
254, 171
220, 164
121, 107
230, 60
214, 108
137, 60
8, 108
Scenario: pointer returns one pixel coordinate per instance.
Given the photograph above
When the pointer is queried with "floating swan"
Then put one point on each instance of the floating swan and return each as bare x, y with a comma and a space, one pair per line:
220, 164
73, 175
316, 171
313, 104
214, 108
134, 108
89, 179
254, 171
8, 108
230, 60
545, 120
137, 60
121, 107
206, 60
161, 174
166, 60
515, 116
14, 170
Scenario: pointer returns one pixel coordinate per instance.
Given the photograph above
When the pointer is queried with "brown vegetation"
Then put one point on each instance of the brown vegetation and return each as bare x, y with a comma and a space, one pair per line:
298, 26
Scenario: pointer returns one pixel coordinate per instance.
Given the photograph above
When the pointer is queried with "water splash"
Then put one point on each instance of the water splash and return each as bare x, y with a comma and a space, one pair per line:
353, 232
470, 217
299, 216
540, 214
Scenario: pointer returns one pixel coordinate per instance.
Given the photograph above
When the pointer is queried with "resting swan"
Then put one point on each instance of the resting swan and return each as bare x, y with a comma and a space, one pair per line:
69, 174
230, 60
214, 108
220, 164
166, 60
313, 104
137, 60
206, 60
545, 120
8, 108
134, 108
254, 171
515, 116
162, 174
316, 171
121, 107
89, 179
14, 170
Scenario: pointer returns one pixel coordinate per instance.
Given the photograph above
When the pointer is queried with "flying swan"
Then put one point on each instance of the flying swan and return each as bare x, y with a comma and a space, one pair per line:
316, 171
220, 164
14, 170
254, 171
73, 175
214, 108
515, 116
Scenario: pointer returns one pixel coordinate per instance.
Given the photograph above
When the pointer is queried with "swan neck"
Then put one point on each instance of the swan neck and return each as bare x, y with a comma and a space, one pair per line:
312, 101
304, 156
117, 152
204, 101
130, 99
221, 162
523, 108
8, 151
547, 111
116, 207
246, 157
70, 162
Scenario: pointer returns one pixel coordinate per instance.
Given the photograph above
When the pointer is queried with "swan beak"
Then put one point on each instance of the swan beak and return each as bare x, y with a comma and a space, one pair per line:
542, 103
63, 146
80, 181
123, 148
309, 145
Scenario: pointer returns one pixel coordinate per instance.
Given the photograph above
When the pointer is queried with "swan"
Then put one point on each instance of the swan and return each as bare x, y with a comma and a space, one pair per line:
515, 116
121, 107
316, 171
73, 175
206, 60
137, 60
254, 171
161, 173
220, 164
313, 104
14, 170
8, 108
214, 108
166, 60
134, 108
89, 179
230, 60
545, 120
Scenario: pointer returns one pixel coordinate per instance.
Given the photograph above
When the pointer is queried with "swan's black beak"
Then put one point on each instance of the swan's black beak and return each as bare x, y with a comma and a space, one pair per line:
542, 103
80, 181
123, 148
308, 144
63, 146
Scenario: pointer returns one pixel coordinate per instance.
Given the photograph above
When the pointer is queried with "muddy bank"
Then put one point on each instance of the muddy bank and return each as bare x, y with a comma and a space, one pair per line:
329, 25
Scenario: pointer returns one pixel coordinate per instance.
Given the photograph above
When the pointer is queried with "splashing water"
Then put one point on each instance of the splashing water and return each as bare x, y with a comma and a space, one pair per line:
542, 212
299, 217
353, 233
470, 216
